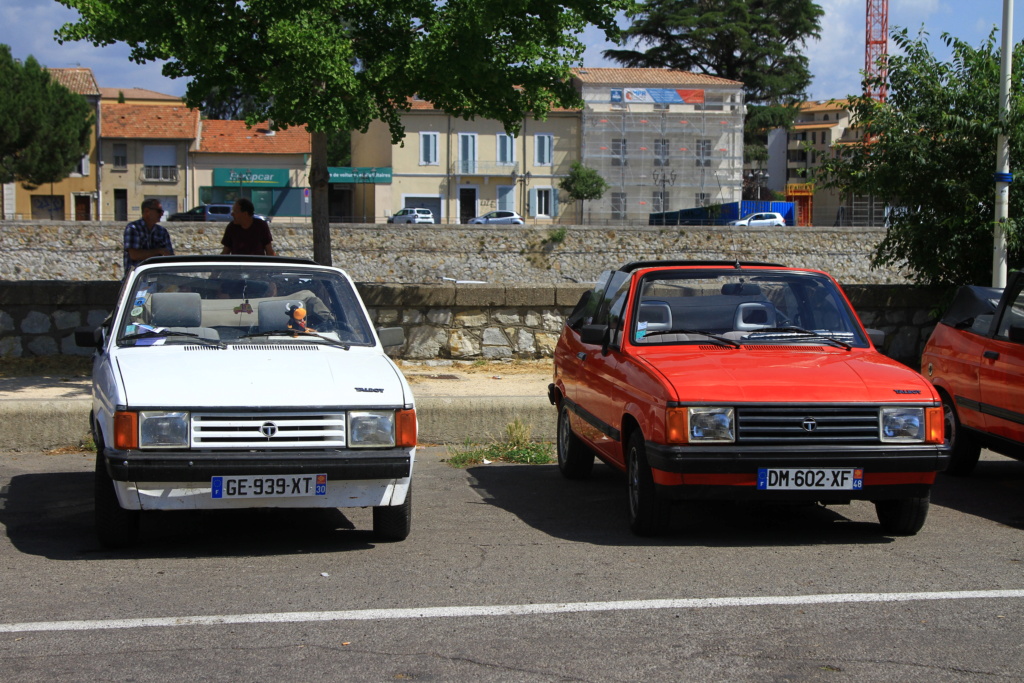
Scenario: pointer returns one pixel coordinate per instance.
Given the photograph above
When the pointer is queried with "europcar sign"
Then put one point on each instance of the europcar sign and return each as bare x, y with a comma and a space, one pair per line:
251, 177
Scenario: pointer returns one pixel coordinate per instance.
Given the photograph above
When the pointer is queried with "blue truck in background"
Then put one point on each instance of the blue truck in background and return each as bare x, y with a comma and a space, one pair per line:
721, 214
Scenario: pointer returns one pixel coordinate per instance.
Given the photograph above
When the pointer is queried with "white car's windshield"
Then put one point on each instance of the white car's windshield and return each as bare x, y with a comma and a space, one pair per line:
763, 308
228, 304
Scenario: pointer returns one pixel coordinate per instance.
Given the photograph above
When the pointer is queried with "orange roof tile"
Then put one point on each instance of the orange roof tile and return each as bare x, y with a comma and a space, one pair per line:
646, 77
137, 94
234, 137
149, 121
76, 79
824, 105
815, 125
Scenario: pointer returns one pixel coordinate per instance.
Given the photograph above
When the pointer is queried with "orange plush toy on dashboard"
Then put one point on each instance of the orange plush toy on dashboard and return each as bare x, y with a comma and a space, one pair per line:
297, 319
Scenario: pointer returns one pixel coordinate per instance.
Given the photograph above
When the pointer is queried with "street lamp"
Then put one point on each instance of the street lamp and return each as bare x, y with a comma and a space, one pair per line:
664, 178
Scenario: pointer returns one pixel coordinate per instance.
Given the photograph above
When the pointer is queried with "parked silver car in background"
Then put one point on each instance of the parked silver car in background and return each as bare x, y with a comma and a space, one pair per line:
501, 217
412, 216
210, 212
762, 218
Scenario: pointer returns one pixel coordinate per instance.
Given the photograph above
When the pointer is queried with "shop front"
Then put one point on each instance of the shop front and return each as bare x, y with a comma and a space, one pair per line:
270, 189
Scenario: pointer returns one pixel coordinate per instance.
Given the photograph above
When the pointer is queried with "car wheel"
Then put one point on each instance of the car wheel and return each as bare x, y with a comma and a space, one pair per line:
648, 513
393, 522
575, 460
115, 526
964, 450
903, 517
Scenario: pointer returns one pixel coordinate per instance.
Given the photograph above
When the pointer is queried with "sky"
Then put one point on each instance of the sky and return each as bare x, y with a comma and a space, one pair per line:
836, 60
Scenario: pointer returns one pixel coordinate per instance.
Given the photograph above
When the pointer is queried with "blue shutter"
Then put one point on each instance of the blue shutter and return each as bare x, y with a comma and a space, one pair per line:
554, 202
533, 202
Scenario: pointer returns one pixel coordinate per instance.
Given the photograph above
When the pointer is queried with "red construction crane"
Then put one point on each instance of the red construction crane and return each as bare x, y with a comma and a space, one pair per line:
876, 49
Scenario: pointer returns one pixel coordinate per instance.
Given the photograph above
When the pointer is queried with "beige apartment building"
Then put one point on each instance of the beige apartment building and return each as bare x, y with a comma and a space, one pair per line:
460, 169
663, 140
793, 156
145, 148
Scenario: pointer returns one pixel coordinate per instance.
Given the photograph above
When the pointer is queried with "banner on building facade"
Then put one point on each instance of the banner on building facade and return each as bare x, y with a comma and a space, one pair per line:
357, 174
251, 177
656, 96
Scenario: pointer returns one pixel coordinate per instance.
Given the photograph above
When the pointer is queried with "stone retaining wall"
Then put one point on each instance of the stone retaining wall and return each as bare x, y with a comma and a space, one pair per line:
458, 321
34, 250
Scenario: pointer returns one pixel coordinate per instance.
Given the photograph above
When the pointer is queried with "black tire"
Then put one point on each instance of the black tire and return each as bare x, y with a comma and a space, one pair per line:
115, 526
648, 512
575, 461
393, 522
964, 450
903, 517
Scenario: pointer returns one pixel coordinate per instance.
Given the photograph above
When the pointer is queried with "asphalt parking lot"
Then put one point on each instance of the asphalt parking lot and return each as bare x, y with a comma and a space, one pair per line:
511, 573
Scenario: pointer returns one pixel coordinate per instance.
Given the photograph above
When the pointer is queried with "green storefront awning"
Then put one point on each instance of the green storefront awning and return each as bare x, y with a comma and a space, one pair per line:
250, 177
359, 174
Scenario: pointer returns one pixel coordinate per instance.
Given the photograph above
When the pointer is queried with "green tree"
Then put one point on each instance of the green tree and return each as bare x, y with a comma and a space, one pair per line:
331, 65
582, 184
45, 129
931, 154
756, 42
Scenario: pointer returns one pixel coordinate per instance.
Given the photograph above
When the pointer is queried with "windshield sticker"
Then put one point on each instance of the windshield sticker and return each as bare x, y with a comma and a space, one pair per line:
641, 329
137, 311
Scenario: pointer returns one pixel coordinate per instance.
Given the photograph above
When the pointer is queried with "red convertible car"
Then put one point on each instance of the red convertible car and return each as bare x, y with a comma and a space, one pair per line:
975, 358
710, 379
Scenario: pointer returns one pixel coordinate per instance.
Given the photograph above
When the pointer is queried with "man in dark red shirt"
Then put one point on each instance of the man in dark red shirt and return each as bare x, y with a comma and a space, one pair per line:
247, 234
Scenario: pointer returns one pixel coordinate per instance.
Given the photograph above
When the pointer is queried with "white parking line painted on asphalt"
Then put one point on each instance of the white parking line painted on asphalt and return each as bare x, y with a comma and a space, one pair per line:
502, 610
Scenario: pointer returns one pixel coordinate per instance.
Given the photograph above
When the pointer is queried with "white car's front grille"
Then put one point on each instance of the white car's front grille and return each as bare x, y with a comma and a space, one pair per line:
268, 430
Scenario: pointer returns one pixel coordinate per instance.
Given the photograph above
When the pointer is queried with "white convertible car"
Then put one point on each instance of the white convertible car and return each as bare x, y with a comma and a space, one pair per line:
226, 382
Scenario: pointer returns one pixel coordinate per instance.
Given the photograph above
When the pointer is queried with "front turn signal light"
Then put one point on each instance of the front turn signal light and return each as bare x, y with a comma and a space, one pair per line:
405, 428
676, 425
126, 430
935, 425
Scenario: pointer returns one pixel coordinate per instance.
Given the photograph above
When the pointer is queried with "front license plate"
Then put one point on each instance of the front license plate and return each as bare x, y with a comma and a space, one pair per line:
810, 479
276, 486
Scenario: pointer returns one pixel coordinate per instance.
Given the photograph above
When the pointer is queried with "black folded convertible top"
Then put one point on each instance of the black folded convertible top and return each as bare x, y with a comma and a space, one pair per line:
970, 302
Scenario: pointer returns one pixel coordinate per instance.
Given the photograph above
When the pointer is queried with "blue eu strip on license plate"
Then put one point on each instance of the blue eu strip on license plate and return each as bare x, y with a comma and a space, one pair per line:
810, 479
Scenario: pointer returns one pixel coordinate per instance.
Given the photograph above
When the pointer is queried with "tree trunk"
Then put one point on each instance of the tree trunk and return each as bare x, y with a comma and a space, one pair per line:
318, 184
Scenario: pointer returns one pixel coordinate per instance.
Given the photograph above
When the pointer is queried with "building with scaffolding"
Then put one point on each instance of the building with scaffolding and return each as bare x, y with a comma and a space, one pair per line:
663, 140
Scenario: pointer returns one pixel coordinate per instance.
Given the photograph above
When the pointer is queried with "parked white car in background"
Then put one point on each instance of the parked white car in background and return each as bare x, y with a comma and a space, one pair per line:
412, 216
762, 218
497, 217
225, 382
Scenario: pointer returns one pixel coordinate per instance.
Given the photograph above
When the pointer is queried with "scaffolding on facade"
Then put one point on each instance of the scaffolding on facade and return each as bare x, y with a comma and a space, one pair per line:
664, 159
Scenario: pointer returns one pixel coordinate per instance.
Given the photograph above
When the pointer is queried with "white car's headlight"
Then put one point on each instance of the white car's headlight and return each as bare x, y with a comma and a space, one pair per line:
902, 425
163, 429
371, 428
711, 425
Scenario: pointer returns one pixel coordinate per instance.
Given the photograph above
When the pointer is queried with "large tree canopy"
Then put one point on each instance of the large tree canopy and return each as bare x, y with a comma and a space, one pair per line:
45, 128
756, 42
931, 155
340, 64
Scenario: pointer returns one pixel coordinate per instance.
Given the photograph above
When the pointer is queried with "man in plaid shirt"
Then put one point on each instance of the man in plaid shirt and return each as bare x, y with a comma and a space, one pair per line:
145, 237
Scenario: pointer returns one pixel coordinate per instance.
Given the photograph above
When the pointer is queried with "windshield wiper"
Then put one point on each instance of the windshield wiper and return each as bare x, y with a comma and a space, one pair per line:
797, 331
711, 335
297, 335
160, 334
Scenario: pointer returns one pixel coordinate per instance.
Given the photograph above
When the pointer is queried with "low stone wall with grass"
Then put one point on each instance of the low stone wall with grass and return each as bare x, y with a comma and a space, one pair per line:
448, 321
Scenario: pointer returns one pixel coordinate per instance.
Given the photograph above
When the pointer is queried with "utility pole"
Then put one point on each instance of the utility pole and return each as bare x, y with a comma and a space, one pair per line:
1003, 177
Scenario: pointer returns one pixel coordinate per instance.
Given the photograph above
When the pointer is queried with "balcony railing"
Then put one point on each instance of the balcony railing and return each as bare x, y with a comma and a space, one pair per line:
160, 174
474, 167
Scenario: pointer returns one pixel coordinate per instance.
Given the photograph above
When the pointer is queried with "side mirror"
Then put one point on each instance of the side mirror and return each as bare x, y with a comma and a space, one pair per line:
593, 334
877, 337
89, 338
391, 336
1017, 333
